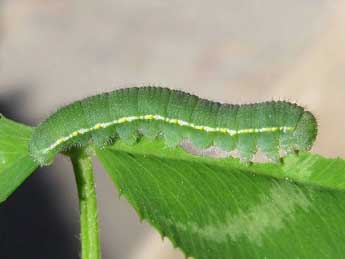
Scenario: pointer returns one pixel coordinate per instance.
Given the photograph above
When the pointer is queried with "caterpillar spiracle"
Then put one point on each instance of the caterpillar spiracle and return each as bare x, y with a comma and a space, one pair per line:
129, 113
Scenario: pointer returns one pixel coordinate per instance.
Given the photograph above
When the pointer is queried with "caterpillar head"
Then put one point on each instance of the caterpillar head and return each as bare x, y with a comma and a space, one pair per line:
306, 131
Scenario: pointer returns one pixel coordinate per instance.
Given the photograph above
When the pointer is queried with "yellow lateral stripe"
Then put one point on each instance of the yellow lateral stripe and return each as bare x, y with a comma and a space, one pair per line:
149, 117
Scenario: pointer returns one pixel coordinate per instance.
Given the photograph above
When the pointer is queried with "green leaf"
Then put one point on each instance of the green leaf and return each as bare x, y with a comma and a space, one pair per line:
221, 209
15, 163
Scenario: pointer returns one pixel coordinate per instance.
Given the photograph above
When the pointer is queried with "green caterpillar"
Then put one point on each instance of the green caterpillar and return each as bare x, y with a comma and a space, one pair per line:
152, 111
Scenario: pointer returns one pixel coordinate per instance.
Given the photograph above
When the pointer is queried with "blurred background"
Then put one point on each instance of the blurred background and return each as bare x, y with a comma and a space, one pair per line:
55, 51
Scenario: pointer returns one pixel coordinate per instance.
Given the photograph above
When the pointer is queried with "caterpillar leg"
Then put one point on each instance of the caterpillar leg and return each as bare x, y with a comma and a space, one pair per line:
247, 147
128, 133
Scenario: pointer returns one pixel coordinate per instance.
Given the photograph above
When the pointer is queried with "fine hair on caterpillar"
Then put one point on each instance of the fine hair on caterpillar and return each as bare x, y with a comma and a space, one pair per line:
175, 115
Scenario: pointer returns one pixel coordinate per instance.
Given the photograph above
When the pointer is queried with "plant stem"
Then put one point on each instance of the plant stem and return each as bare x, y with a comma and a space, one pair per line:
89, 229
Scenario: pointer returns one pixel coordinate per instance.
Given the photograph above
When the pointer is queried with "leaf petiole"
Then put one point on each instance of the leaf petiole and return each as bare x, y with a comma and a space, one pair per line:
89, 228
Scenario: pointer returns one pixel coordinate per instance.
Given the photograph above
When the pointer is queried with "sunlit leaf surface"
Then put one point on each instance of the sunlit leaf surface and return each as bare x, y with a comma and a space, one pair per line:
221, 209
15, 162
